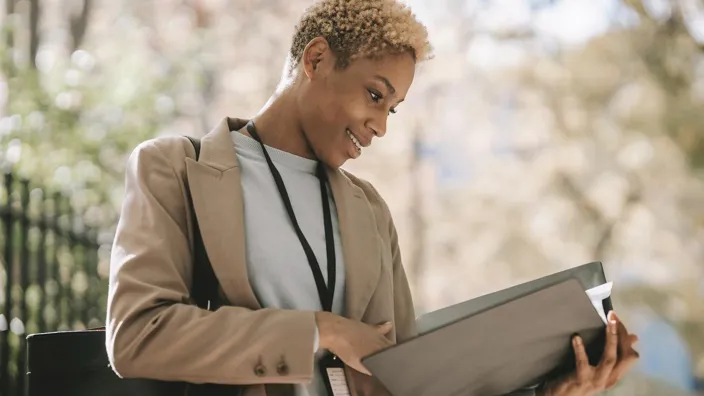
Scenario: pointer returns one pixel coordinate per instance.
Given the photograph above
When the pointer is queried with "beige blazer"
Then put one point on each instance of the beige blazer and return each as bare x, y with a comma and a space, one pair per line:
153, 331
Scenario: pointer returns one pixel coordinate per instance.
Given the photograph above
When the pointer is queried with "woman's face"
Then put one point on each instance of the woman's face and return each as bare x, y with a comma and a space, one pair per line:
342, 110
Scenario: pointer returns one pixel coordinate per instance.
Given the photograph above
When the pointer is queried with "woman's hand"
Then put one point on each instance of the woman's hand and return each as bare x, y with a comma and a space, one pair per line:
619, 356
351, 340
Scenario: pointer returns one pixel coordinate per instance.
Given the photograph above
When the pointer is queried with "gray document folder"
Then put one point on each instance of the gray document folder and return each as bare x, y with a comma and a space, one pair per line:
509, 345
589, 275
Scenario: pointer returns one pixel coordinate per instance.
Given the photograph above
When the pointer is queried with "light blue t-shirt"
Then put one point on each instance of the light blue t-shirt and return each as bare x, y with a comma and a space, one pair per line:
276, 263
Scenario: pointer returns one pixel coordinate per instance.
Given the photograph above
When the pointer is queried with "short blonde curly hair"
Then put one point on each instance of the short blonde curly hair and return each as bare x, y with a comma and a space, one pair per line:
361, 28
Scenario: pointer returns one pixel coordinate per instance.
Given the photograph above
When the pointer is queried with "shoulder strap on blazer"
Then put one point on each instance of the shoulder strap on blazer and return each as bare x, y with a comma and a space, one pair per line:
204, 289
196, 145
205, 293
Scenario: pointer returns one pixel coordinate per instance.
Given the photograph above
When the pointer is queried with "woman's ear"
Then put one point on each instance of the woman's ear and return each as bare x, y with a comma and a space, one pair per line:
316, 58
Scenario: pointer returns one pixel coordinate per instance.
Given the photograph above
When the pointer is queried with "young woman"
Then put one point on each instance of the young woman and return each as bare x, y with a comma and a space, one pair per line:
305, 254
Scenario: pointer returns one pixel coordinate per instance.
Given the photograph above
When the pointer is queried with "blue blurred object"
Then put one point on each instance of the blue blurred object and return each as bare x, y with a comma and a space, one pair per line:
664, 355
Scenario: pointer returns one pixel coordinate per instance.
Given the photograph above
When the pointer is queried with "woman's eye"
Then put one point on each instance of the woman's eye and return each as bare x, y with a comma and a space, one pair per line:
375, 96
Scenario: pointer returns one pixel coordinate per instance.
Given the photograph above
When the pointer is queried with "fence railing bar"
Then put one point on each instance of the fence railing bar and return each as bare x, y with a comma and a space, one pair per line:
24, 282
41, 270
71, 293
9, 274
57, 264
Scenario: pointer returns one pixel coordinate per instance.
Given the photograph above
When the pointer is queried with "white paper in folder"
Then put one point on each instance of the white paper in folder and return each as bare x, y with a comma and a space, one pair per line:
597, 295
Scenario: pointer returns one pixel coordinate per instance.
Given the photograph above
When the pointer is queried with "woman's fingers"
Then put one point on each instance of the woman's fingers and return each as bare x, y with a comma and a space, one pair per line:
581, 360
625, 340
384, 328
610, 355
632, 338
628, 357
618, 357
360, 367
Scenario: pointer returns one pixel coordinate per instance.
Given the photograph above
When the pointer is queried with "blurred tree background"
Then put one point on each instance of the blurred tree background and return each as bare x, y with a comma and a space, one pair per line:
544, 134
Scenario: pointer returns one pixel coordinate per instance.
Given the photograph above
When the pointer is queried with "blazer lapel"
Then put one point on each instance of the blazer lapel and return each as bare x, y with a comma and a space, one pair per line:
360, 243
216, 190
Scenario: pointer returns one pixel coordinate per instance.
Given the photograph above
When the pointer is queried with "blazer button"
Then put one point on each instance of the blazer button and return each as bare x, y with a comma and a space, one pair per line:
259, 370
282, 368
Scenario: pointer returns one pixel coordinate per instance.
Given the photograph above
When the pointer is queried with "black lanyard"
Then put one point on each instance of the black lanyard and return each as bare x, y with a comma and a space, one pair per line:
325, 293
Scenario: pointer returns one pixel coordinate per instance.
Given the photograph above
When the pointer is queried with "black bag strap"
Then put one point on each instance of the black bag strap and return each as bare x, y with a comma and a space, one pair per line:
196, 145
204, 289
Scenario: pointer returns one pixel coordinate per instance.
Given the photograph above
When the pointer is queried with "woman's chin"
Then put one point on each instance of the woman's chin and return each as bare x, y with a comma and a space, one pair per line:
337, 158
353, 153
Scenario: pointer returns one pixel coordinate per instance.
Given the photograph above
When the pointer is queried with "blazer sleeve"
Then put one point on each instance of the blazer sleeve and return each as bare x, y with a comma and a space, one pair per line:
152, 329
404, 310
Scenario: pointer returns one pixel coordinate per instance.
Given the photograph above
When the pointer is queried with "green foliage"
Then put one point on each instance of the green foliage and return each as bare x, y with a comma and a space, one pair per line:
72, 125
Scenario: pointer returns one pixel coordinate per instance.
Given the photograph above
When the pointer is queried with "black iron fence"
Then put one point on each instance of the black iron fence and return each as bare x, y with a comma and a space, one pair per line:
49, 274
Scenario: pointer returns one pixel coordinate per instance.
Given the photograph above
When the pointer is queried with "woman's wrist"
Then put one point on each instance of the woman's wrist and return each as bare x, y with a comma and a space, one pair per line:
326, 333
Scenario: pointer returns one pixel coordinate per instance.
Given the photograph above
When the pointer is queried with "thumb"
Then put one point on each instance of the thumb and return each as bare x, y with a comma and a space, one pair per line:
384, 328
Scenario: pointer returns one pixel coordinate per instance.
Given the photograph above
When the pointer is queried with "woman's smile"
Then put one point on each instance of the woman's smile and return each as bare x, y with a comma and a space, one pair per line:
355, 141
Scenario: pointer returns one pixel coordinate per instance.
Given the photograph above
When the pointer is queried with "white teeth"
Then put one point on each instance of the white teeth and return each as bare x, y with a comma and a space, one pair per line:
356, 142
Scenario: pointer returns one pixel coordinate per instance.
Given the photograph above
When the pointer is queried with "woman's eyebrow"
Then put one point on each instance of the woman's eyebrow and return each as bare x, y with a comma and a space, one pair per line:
387, 83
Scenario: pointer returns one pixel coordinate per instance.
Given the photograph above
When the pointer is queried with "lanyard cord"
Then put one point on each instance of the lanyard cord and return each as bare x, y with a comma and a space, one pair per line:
325, 293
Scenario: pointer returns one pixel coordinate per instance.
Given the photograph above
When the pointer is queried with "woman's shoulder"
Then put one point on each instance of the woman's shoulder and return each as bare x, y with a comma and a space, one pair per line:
169, 150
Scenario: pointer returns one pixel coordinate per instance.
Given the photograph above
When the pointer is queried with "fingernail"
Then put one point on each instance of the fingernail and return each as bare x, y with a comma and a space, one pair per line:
577, 340
612, 327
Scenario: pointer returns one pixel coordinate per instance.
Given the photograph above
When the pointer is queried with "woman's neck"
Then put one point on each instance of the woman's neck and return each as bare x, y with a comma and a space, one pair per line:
279, 126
